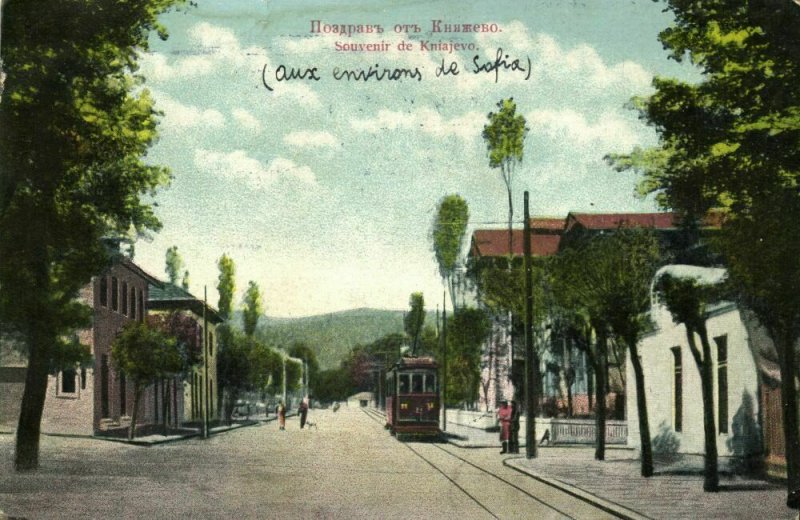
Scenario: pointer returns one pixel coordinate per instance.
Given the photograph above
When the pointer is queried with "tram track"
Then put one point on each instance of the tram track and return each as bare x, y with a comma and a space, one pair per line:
419, 448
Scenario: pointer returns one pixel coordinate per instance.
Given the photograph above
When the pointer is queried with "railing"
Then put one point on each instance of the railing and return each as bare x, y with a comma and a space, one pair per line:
582, 431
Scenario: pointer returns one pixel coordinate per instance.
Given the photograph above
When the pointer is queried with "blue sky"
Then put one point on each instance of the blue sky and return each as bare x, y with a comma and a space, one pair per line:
324, 192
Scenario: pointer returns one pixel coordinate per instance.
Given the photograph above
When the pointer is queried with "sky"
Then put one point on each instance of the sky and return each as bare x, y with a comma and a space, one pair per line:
324, 191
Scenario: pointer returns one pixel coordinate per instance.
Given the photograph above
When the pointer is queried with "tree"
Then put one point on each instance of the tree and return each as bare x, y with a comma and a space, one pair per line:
226, 285
300, 350
731, 140
466, 332
233, 366
252, 308
173, 265
185, 281
414, 319
143, 354
448, 232
505, 137
76, 127
687, 300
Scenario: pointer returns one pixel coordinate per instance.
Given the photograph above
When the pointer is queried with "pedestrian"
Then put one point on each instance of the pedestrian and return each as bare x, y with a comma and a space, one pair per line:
303, 411
513, 443
504, 415
281, 412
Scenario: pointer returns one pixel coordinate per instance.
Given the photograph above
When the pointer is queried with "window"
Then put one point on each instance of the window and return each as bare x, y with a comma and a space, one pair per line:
404, 383
133, 303
104, 386
722, 382
210, 343
68, 385
141, 306
83, 379
124, 297
114, 294
677, 389
416, 383
104, 291
430, 383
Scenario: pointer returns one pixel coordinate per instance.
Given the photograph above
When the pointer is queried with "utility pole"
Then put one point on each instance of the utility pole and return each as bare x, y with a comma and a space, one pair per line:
205, 362
531, 363
444, 361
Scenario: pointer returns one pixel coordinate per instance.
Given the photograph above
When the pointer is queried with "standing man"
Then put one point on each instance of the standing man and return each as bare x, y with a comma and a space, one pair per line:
504, 415
303, 411
513, 443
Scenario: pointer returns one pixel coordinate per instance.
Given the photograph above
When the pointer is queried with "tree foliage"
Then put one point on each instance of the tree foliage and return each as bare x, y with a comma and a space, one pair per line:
226, 285
76, 128
253, 308
448, 232
504, 135
467, 329
414, 318
173, 264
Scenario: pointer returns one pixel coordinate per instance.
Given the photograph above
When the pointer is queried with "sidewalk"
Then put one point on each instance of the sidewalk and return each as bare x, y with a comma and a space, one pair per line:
675, 491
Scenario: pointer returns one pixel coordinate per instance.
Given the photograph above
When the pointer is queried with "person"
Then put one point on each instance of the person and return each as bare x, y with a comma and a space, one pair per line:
303, 409
504, 415
281, 412
513, 443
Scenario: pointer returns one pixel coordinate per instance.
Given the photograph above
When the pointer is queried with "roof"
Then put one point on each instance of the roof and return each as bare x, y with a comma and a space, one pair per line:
494, 243
659, 220
547, 224
170, 296
412, 362
703, 275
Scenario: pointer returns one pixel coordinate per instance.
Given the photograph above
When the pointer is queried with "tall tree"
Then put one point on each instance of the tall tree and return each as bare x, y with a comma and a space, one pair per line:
505, 138
733, 140
76, 126
226, 285
253, 307
185, 281
414, 319
466, 332
448, 232
687, 299
173, 263
143, 354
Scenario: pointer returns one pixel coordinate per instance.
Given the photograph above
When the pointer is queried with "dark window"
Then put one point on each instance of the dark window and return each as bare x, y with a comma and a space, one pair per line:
133, 303
677, 388
141, 306
416, 383
404, 383
83, 379
211, 397
68, 381
210, 344
114, 294
430, 383
124, 298
104, 386
722, 381
104, 291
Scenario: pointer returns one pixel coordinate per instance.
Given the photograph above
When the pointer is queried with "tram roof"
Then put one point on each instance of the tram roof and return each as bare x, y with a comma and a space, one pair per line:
417, 362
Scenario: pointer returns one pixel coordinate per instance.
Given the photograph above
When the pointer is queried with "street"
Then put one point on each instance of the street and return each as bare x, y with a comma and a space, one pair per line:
348, 466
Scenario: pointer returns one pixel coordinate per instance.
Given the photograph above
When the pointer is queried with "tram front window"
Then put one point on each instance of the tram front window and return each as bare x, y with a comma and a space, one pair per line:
416, 383
404, 384
430, 383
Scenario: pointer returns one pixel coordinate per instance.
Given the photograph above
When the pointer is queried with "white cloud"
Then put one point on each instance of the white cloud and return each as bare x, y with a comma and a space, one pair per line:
238, 166
423, 120
247, 120
179, 117
310, 139
299, 93
572, 128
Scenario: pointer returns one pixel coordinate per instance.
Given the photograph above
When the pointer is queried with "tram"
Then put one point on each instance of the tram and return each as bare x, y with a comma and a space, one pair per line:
412, 398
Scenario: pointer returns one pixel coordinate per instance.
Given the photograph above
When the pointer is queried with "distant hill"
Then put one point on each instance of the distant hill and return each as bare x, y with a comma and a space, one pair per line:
333, 335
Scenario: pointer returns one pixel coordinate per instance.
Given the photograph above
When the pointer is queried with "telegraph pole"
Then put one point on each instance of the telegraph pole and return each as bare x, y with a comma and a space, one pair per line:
444, 361
530, 358
205, 362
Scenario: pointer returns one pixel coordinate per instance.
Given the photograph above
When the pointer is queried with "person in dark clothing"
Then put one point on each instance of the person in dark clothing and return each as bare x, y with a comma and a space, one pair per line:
303, 411
513, 441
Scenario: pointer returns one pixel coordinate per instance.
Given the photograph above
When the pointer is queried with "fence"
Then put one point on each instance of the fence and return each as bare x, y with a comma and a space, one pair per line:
582, 431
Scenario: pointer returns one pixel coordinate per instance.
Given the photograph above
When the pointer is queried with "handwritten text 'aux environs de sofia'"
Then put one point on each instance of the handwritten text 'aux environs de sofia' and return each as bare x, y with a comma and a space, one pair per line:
501, 63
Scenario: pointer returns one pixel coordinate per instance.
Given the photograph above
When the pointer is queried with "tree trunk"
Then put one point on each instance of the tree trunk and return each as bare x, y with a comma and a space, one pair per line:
786, 357
641, 404
510, 223
137, 391
600, 389
711, 474
165, 398
26, 455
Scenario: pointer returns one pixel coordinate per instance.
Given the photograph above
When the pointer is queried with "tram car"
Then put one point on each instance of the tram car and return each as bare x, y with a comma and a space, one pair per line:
412, 398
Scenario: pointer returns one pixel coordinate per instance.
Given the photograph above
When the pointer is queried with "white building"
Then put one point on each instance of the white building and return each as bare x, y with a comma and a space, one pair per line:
672, 378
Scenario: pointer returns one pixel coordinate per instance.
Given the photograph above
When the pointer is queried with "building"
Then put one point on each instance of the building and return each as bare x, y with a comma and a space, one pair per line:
672, 379
200, 388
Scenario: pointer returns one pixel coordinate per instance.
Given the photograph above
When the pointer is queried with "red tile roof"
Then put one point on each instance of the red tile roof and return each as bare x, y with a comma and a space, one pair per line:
494, 243
547, 224
663, 220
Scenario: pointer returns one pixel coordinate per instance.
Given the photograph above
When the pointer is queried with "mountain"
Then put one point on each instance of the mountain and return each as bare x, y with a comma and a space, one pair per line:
332, 336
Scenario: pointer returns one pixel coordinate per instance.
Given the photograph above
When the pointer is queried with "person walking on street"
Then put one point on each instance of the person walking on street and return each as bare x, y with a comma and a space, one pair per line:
513, 443
303, 411
504, 415
281, 412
